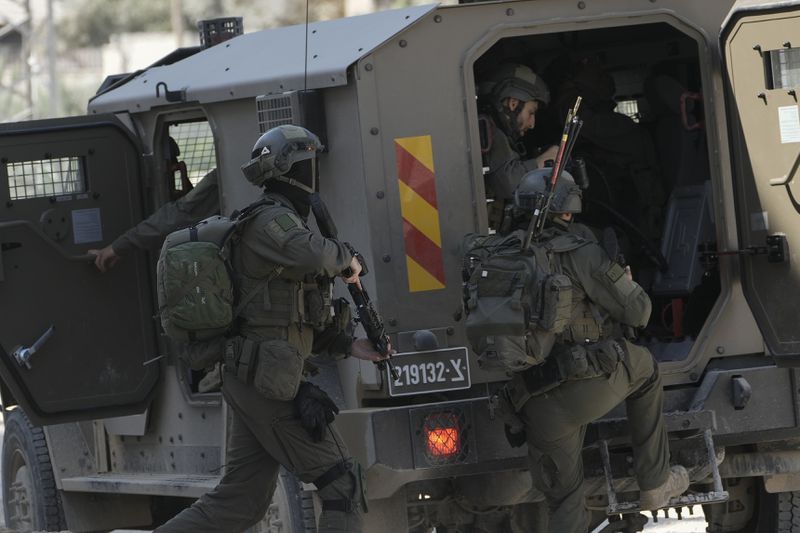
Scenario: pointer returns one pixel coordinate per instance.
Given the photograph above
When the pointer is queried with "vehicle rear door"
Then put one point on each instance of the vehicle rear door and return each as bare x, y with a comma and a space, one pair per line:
761, 47
67, 186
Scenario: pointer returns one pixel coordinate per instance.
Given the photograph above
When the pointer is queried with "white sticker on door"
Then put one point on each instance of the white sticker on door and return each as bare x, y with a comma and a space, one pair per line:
86, 225
789, 122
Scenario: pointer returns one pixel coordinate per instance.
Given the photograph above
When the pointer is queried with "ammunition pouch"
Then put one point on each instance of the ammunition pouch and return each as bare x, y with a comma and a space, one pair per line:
567, 363
317, 300
273, 367
336, 338
279, 306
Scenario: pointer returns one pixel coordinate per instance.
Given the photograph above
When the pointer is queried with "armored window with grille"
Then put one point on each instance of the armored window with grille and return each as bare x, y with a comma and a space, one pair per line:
783, 68
629, 108
46, 177
274, 111
196, 143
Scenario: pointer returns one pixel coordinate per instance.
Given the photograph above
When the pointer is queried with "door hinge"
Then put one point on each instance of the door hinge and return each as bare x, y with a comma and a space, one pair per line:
776, 249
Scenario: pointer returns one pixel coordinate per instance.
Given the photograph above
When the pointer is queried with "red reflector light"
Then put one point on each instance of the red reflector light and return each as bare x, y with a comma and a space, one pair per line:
442, 435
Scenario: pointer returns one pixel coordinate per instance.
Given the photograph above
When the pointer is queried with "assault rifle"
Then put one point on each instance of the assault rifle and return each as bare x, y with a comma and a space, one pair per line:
541, 203
366, 314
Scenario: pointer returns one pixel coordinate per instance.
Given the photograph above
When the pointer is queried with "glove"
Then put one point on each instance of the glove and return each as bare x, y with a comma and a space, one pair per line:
315, 409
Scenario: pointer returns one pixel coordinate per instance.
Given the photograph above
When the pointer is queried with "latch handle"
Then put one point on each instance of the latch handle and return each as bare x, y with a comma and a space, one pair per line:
787, 179
23, 354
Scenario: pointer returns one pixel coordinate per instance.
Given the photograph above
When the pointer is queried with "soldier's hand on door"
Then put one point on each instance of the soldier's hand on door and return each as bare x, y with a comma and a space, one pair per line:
105, 259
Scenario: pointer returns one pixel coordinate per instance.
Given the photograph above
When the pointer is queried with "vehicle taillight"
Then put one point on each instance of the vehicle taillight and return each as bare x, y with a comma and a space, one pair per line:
442, 435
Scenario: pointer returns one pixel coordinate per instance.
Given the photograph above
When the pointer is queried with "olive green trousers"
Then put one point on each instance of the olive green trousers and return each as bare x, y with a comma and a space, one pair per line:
555, 423
264, 434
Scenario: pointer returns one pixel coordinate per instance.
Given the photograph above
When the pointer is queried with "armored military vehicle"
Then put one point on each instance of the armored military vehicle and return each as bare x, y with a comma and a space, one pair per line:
106, 428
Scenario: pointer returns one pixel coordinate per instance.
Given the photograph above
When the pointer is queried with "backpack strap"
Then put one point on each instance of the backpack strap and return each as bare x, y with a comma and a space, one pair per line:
240, 218
258, 288
566, 242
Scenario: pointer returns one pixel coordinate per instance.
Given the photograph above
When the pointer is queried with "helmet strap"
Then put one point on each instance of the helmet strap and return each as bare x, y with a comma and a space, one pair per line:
506, 119
295, 183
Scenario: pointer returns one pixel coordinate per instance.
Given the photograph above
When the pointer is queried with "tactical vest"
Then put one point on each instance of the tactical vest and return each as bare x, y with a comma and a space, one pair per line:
517, 302
286, 308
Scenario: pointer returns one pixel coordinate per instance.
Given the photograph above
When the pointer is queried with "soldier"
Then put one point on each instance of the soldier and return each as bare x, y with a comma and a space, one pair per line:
513, 94
197, 203
278, 419
591, 367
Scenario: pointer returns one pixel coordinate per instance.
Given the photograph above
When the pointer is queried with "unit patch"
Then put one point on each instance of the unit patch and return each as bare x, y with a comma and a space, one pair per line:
614, 272
280, 227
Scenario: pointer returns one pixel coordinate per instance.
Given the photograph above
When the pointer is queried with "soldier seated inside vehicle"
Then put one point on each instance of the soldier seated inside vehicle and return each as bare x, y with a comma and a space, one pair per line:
644, 150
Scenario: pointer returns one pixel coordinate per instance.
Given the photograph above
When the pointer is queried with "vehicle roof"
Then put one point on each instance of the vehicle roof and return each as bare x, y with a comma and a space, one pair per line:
264, 62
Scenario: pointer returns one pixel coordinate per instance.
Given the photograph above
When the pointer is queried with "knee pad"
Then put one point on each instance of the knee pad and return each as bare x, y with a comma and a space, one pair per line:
342, 487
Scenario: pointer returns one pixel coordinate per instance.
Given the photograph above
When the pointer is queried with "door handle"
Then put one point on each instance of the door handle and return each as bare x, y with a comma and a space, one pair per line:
81, 258
23, 354
787, 179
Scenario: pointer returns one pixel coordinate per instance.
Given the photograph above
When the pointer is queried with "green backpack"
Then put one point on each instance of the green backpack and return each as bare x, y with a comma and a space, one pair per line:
197, 296
516, 302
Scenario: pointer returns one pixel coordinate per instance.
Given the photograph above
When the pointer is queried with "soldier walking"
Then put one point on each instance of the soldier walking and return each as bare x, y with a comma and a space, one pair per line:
279, 419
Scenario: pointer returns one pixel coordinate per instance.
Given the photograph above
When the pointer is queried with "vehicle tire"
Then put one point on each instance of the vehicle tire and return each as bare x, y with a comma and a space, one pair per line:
768, 513
776, 513
31, 500
291, 510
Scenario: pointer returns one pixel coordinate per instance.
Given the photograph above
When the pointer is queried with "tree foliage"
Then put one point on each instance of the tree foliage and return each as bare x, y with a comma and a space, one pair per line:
93, 22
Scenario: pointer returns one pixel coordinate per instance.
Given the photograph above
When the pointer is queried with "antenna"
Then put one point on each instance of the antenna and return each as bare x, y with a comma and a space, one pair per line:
305, 52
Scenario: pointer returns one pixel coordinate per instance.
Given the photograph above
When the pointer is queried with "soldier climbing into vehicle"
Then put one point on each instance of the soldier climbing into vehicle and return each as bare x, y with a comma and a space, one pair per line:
565, 333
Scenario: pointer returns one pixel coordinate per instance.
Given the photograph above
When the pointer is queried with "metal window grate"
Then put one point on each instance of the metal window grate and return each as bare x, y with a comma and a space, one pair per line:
196, 143
274, 111
629, 108
46, 178
785, 65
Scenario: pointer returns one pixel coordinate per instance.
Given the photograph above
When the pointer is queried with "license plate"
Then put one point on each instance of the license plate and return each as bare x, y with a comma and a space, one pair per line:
431, 371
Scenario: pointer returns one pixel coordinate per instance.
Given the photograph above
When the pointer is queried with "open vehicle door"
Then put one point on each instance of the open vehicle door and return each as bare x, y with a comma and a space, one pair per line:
66, 186
763, 74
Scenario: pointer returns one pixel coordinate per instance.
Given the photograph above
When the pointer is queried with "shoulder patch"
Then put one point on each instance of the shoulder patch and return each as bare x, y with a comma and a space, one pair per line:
288, 221
614, 272
282, 225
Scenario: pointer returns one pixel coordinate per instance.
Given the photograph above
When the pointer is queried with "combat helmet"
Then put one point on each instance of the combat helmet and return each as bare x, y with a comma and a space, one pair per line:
512, 81
517, 81
277, 150
567, 197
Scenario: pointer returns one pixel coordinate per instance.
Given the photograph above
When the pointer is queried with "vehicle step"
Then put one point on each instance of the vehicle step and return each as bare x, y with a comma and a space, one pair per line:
188, 486
716, 495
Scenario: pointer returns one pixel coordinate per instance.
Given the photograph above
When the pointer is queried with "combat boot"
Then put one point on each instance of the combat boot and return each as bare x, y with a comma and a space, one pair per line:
676, 484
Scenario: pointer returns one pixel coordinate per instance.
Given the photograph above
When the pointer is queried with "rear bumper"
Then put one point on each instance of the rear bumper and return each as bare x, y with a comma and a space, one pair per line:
390, 443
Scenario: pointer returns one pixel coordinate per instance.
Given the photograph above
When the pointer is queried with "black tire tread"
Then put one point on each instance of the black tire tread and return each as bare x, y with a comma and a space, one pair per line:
17, 424
788, 512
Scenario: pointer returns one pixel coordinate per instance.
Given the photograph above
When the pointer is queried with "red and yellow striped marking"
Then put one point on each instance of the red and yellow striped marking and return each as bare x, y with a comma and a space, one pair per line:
423, 238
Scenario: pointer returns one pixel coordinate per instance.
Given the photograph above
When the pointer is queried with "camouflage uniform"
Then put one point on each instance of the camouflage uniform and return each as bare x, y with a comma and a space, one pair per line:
262, 372
199, 203
555, 421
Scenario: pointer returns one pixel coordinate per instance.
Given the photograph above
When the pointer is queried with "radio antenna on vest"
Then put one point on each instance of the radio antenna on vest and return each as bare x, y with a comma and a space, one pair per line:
305, 52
